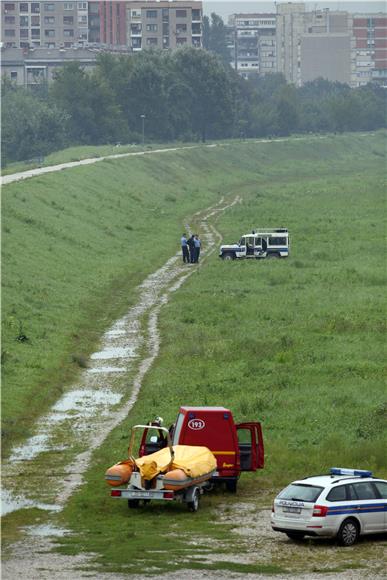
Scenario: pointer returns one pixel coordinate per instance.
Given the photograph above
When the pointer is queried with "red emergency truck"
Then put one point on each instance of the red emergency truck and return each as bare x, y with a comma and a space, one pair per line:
237, 447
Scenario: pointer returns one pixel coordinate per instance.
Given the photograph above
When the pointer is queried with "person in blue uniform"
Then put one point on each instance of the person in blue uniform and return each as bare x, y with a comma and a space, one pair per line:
191, 244
198, 245
184, 249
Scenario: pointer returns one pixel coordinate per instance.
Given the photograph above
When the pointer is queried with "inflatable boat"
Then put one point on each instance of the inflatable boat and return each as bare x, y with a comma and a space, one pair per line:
177, 479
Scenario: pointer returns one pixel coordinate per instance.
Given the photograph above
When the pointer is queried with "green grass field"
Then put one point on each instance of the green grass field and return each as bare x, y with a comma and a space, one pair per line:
296, 343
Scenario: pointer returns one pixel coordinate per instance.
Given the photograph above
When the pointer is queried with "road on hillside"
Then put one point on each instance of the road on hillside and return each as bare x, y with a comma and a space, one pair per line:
5, 179
13, 177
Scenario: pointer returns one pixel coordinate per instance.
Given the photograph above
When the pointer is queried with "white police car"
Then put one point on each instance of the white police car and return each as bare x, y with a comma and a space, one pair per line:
345, 504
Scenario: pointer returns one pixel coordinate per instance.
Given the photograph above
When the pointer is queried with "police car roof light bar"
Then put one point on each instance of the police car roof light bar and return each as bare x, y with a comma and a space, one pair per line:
354, 472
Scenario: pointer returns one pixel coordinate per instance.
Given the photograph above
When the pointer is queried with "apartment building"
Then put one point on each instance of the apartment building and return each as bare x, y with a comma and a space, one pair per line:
110, 18
252, 43
370, 37
312, 44
290, 27
164, 24
29, 67
326, 47
336, 45
44, 24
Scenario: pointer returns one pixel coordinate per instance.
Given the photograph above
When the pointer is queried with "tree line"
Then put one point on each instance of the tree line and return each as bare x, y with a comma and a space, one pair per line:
190, 95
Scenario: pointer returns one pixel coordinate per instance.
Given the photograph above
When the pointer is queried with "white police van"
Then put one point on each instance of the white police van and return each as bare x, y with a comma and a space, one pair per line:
263, 243
345, 504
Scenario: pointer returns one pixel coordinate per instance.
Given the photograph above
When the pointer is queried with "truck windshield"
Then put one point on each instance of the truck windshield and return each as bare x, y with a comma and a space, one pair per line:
301, 492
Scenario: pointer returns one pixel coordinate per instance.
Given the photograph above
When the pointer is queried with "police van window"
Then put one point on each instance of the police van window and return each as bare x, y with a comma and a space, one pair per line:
277, 241
364, 490
337, 493
258, 241
242, 241
381, 486
250, 241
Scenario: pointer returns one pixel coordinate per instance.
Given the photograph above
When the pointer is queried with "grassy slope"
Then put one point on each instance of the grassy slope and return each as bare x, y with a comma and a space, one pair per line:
309, 328
75, 246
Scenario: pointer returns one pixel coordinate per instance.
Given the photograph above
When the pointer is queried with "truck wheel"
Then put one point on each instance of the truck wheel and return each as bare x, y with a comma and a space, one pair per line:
133, 503
193, 505
273, 255
231, 486
228, 257
348, 533
296, 536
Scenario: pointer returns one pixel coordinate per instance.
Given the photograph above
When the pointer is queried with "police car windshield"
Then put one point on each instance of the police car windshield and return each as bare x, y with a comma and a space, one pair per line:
301, 492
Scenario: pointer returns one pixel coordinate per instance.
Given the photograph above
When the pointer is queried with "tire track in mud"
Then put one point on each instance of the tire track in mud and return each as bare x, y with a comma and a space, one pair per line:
45, 471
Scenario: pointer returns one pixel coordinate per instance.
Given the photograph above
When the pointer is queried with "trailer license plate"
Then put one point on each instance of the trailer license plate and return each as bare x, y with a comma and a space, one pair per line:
139, 494
291, 510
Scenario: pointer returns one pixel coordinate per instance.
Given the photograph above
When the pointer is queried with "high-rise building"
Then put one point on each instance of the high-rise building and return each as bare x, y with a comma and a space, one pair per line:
335, 45
44, 24
290, 27
313, 44
112, 22
326, 46
370, 34
252, 43
164, 24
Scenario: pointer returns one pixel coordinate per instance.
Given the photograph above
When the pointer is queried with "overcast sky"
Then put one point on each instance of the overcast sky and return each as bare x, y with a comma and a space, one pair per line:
224, 9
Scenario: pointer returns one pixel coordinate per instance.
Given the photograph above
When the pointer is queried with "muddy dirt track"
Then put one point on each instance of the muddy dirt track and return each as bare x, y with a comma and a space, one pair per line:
82, 418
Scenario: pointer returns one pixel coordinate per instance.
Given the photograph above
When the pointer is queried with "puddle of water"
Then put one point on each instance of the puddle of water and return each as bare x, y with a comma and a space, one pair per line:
10, 503
85, 401
117, 332
106, 370
36, 444
46, 530
113, 352
75, 404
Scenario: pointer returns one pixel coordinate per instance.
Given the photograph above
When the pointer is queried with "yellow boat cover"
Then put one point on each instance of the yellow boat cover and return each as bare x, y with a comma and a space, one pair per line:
194, 461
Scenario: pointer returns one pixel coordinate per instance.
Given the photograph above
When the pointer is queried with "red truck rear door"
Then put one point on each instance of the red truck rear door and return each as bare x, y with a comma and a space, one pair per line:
251, 449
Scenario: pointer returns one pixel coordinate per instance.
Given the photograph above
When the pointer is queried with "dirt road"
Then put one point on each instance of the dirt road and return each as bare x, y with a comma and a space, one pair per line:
82, 418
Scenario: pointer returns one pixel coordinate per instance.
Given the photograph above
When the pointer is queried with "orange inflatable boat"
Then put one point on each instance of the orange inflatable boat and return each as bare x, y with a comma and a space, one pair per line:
177, 479
119, 473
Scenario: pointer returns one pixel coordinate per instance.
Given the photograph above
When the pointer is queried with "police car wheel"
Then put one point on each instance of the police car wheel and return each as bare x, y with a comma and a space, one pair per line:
348, 533
296, 536
228, 257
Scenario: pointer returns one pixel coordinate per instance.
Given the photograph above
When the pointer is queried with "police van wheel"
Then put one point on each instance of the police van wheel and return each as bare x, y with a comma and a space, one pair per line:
274, 255
348, 533
228, 257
